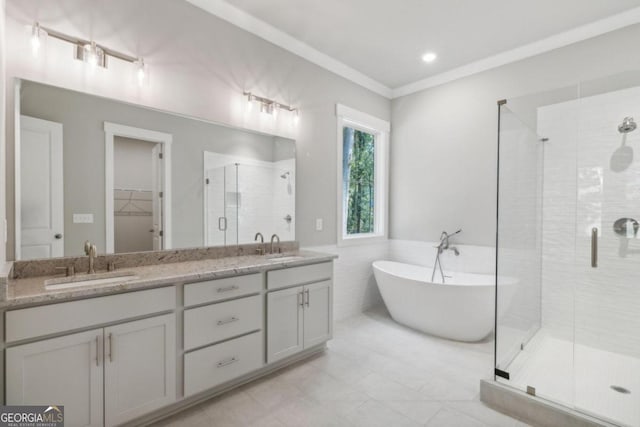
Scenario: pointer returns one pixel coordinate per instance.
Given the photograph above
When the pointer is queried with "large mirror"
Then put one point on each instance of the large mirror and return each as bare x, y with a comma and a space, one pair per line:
129, 178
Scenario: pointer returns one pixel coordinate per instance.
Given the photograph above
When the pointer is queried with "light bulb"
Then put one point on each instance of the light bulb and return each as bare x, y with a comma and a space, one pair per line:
429, 57
37, 38
91, 54
249, 102
275, 107
141, 72
296, 116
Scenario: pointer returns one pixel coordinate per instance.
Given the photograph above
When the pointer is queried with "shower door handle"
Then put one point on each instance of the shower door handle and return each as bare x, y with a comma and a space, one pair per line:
594, 247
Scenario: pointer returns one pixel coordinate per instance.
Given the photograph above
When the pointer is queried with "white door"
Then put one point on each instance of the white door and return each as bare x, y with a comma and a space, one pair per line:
284, 323
60, 371
41, 229
140, 367
317, 313
157, 195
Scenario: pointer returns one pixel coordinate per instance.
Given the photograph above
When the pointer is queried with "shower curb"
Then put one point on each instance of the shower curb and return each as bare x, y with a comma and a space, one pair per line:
533, 410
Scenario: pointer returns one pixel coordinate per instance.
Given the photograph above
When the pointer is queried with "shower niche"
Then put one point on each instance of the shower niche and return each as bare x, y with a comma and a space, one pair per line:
568, 193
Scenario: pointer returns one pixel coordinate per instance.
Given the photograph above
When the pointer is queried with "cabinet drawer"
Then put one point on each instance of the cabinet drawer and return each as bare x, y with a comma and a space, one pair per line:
299, 275
216, 290
67, 316
212, 366
217, 322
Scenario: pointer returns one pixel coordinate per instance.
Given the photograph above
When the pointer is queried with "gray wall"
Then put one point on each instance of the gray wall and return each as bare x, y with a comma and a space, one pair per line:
443, 144
3, 104
83, 116
199, 66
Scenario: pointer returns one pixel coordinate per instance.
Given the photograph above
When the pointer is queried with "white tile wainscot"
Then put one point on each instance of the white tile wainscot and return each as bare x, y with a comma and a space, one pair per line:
104, 343
355, 288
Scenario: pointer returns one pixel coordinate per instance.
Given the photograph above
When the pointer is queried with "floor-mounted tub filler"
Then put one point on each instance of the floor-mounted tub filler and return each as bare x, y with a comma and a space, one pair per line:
462, 308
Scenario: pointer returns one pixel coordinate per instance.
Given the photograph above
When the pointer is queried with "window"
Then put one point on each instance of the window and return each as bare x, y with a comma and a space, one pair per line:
362, 177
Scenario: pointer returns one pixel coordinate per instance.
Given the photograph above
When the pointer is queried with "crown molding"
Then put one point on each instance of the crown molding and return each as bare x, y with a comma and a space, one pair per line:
578, 34
247, 22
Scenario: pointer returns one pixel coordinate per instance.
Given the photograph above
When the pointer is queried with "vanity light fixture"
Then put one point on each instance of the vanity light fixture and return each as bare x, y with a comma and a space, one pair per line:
86, 50
268, 106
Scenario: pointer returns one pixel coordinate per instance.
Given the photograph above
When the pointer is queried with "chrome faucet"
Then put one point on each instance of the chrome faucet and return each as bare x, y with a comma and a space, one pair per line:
443, 246
259, 251
275, 236
92, 251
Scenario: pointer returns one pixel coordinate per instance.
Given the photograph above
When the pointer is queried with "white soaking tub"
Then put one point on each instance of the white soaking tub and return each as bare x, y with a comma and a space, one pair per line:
462, 309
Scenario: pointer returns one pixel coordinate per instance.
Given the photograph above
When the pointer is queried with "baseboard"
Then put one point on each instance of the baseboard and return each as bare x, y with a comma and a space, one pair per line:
533, 410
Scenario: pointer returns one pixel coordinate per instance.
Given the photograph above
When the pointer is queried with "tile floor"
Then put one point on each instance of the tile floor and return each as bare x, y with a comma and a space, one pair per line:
374, 373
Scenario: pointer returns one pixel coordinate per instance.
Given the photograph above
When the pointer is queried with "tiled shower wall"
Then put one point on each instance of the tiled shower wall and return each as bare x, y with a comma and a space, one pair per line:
590, 181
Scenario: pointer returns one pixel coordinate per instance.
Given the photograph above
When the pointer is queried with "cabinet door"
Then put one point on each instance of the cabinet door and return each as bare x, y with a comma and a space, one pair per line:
60, 371
284, 323
318, 318
140, 367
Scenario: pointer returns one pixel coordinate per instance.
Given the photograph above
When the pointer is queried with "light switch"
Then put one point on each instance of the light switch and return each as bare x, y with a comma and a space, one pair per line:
319, 224
82, 218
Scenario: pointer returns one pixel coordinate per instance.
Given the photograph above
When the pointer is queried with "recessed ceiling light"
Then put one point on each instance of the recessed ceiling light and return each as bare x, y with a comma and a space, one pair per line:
429, 57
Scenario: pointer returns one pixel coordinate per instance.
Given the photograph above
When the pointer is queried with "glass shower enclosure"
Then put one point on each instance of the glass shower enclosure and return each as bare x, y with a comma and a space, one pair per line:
568, 247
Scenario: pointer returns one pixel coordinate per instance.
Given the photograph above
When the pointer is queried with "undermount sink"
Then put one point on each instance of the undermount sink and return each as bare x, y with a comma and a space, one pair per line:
284, 258
89, 280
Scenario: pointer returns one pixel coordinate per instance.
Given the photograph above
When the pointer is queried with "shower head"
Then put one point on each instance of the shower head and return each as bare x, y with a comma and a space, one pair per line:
284, 175
628, 125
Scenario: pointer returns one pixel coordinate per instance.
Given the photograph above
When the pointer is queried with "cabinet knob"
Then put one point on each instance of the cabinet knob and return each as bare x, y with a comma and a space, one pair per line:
58, 236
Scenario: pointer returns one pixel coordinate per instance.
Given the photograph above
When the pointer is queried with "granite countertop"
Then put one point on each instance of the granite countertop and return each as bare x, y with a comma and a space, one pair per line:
30, 291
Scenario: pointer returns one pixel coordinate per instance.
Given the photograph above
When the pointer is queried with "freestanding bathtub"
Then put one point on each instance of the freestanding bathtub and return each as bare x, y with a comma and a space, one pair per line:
461, 309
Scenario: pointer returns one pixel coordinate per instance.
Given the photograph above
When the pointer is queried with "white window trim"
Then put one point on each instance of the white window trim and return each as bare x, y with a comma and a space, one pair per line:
380, 128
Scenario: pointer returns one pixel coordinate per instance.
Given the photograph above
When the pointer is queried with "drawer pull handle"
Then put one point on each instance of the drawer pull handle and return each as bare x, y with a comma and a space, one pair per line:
228, 361
229, 288
229, 320
307, 299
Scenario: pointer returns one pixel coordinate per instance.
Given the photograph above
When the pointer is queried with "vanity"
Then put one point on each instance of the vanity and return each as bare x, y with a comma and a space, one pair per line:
133, 352
149, 274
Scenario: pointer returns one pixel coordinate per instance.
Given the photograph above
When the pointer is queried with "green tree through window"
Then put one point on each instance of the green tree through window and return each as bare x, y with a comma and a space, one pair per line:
358, 180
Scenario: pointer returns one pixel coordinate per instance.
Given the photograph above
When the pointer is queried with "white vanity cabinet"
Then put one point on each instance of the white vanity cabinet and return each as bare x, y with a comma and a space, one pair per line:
125, 358
103, 376
60, 371
298, 317
139, 367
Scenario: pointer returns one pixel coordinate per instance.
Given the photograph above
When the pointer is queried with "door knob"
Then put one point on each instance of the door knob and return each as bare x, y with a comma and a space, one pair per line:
58, 236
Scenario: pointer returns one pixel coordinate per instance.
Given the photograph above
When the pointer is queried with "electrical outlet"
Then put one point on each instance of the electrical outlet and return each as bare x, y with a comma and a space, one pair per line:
319, 224
83, 218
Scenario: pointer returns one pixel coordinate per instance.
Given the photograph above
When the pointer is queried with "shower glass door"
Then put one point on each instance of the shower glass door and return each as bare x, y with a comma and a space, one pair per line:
607, 250
221, 206
568, 238
519, 265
